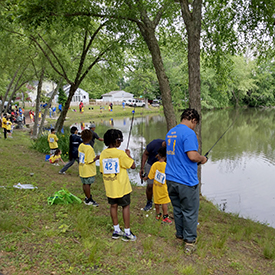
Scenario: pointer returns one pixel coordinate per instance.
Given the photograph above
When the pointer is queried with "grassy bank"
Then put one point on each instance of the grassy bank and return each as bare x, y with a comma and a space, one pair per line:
93, 113
36, 238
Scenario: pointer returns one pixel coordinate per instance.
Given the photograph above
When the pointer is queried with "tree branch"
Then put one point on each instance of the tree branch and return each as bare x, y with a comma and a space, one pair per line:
64, 73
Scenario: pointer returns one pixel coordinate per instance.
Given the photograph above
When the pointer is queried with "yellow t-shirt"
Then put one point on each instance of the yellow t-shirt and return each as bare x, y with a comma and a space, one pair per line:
160, 192
87, 167
52, 139
4, 123
113, 165
53, 158
8, 127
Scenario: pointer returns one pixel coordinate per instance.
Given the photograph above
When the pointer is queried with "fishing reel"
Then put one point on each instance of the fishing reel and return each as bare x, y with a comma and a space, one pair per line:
142, 176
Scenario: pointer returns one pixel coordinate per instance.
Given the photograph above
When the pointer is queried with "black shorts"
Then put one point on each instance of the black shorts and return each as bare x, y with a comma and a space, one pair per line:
124, 201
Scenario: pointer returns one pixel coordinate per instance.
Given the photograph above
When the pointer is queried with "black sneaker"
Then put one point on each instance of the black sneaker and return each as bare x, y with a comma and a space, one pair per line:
148, 206
116, 235
90, 201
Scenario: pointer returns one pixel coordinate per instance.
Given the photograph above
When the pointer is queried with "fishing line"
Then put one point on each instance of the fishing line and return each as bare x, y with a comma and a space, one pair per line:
133, 112
142, 145
219, 139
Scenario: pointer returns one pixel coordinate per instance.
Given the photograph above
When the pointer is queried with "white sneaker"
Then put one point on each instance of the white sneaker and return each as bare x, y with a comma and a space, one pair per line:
130, 237
62, 173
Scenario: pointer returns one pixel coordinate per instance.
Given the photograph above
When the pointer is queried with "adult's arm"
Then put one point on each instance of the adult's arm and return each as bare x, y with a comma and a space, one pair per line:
196, 157
144, 158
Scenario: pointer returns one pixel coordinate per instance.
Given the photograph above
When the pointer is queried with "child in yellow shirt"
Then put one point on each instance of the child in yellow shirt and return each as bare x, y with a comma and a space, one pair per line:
87, 167
52, 139
160, 192
113, 165
56, 157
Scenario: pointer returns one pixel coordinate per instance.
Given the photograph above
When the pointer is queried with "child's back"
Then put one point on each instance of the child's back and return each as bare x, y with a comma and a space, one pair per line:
113, 165
160, 192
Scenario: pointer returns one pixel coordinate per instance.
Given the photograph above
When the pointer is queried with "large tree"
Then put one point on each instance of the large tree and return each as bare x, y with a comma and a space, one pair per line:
132, 19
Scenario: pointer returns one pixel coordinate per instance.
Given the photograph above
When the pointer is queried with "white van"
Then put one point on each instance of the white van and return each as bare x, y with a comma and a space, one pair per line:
128, 102
137, 103
155, 103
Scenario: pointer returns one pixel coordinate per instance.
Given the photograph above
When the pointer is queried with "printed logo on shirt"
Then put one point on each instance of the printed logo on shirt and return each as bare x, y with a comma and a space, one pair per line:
171, 152
51, 139
81, 157
111, 166
160, 177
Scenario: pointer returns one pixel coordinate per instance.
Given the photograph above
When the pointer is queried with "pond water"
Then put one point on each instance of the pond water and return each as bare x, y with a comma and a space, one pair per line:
239, 174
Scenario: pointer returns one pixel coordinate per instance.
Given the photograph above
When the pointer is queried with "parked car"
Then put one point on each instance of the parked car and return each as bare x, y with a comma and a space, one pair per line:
128, 102
140, 103
155, 103
137, 103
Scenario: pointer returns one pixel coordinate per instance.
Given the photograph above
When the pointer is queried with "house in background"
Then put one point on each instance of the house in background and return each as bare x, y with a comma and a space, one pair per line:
116, 96
47, 86
79, 95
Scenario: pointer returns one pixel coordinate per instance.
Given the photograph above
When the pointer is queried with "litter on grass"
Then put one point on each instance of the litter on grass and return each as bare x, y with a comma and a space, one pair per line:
24, 186
63, 197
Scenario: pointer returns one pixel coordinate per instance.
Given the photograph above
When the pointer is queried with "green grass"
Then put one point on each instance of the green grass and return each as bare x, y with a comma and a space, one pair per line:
95, 114
37, 238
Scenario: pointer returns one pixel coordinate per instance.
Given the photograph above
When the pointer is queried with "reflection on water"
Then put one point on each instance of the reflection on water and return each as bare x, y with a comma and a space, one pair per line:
239, 174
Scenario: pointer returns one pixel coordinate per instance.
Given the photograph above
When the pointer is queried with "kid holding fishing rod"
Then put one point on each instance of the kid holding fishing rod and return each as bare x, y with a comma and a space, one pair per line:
113, 165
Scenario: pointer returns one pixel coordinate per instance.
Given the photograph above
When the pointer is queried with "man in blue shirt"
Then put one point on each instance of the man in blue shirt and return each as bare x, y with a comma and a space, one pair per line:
181, 176
149, 155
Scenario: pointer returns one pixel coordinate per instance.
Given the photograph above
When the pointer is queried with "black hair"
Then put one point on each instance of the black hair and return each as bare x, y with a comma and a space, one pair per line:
111, 136
86, 135
190, 114
52, 130
162, 152
73, 129
57, 151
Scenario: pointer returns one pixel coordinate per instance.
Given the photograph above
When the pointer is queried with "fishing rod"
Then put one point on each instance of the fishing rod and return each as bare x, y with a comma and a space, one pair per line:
133, 112
219, 139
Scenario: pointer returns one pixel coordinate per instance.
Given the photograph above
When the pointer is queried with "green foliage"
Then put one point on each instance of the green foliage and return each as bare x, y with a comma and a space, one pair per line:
62, 98
41, 144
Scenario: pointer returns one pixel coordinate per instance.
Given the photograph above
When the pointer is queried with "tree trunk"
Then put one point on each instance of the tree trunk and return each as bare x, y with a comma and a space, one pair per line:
192, 20
61, 119
148, 33
236, 99
48, 106
7, 91
39, 90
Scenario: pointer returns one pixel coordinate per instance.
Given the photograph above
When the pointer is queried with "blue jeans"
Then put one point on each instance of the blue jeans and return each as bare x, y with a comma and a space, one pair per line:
69, 164
185, 200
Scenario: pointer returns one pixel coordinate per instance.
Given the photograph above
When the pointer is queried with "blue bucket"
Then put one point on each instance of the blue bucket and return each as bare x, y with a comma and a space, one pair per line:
47, 157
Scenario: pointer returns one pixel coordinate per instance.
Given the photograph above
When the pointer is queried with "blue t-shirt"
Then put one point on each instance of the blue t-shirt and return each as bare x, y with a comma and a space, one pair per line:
179, 168
152, 149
